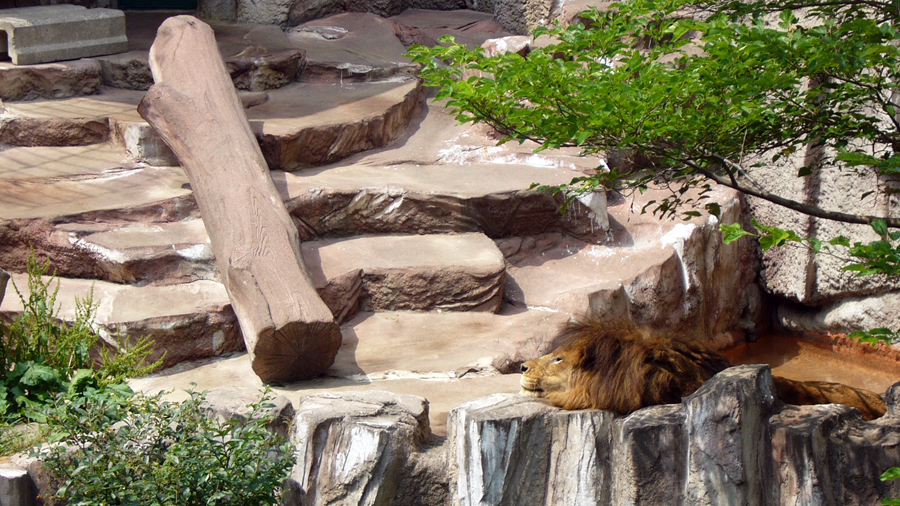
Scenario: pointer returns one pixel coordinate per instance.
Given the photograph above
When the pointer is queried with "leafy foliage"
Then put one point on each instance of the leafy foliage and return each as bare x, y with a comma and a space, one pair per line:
146, 451
704, 109
41, 357
744, 92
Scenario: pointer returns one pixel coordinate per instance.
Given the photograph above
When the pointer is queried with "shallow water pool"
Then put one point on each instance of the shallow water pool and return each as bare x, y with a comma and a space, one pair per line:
795, 358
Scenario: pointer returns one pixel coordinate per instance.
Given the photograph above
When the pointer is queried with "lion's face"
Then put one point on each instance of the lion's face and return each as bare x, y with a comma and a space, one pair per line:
554, 372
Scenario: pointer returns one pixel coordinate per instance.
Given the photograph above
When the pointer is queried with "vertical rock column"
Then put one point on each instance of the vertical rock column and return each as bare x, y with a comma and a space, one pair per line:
513, 450
649, 457
800, 453
289, 332
353, 448
727, 460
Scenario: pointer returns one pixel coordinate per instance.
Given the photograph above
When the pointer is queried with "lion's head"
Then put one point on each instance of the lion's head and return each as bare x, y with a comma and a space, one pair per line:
613, 367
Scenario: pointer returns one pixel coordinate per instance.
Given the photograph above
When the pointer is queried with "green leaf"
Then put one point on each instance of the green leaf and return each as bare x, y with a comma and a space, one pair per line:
731, 233
38, 374
891, 474
880, 227
840, 241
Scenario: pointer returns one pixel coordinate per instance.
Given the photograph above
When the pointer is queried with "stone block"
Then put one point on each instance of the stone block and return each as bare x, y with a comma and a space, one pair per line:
352, 448
512, 450
233, 403
49, 80
16, 487
143, 144
50, 33
649, 456
725, 425
801, 462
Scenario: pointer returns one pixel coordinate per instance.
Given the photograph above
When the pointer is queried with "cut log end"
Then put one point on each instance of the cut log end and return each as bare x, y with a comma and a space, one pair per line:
296, 351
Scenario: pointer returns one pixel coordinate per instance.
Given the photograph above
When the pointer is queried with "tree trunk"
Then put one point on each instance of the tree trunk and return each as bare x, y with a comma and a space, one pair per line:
289, 332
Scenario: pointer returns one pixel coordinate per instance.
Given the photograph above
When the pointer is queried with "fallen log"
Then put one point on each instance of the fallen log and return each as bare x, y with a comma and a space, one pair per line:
289, 332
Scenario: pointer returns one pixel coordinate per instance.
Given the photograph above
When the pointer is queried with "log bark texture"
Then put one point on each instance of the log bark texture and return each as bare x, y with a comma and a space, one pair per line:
289, 332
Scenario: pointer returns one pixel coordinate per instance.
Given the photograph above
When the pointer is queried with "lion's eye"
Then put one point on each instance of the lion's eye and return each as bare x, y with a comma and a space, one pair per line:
557, 360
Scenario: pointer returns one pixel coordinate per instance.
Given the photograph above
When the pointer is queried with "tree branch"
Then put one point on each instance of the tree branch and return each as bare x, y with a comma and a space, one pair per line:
800, 207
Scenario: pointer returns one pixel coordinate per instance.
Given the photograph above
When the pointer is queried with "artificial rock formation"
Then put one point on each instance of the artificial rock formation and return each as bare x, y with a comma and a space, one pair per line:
730, 442
49, 80
289, 332
354, 448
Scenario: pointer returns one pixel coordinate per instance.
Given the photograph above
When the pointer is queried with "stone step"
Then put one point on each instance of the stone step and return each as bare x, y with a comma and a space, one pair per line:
347, 47
419, 198
386, 345
352, 46
49, 80
462, 272
448, 358
443, 394
35, 163
152, 193
303, 124
186, 321
341, 201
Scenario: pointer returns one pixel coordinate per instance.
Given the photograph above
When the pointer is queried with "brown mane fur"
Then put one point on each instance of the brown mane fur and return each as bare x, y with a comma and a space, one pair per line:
614, 367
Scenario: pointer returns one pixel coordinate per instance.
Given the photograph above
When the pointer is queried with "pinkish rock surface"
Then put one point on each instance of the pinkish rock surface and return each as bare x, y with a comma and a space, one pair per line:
49, 80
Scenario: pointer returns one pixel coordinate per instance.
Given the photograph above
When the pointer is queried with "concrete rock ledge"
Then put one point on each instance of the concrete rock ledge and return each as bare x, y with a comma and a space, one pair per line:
730, 442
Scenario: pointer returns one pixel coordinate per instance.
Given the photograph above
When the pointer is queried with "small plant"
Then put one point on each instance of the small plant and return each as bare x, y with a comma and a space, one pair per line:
147, 451
14, 439
41, 356
891, 474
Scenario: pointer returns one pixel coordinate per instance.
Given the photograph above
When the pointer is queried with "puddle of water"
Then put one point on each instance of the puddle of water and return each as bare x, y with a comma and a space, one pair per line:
802, 360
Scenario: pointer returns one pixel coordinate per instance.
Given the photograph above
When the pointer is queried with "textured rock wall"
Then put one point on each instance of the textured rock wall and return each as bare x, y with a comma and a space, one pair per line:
294, 12
703, 290
827, 299
729, 443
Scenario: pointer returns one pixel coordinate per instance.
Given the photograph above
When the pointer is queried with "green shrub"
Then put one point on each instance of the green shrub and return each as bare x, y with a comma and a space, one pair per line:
41, 356
146, 451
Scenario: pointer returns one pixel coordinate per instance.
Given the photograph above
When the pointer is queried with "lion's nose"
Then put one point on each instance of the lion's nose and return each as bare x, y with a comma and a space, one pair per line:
524, 368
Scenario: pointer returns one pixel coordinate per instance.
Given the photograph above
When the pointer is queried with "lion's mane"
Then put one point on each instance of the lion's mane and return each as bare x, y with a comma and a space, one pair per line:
616, 368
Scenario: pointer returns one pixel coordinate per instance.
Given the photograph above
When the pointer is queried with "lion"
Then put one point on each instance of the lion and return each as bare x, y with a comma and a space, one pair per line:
616, 368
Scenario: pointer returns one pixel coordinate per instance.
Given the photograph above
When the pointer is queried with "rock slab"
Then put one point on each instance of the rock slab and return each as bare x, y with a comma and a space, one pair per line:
50, 33
353, 448
16, 487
